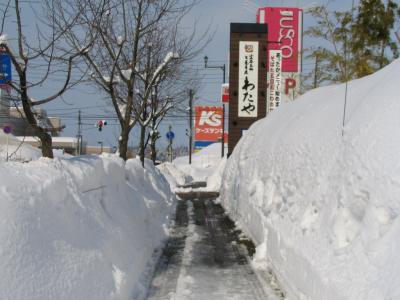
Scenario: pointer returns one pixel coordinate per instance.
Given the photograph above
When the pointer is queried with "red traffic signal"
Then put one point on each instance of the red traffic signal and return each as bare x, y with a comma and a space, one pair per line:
100, 124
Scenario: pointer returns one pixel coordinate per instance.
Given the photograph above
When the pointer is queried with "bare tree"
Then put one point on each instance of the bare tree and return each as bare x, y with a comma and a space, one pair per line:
170, 89
170, 98
43, 52
160, 107
127, 48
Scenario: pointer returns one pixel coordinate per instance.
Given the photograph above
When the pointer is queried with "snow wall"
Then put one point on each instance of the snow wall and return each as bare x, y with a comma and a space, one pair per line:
80, 228
324, 208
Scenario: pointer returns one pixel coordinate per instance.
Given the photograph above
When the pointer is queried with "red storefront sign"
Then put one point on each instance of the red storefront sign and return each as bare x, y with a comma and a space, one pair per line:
208, 123
284, 33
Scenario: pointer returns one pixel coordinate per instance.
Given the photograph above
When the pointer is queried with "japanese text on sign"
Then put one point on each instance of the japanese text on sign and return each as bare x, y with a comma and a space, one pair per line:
248, 79
274, 79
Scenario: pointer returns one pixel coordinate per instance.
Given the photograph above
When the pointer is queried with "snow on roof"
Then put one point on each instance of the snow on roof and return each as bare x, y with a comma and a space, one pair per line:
54, 139
65, 139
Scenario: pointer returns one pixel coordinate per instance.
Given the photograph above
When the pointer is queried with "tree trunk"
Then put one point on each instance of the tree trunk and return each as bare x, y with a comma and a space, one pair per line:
382, 55
45, 137
153, 149
46, 141
142, 141
123, 144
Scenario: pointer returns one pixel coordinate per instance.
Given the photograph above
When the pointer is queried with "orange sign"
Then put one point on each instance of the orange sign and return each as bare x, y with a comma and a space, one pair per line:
208, 123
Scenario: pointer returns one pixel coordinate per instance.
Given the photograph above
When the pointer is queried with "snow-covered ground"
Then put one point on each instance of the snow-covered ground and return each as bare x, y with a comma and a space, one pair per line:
80, 228
207, 165
324, 208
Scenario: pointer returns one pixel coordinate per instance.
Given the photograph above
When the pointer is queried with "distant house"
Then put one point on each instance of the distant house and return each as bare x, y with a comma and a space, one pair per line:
70, 145
21, 127
67, 144
15, 117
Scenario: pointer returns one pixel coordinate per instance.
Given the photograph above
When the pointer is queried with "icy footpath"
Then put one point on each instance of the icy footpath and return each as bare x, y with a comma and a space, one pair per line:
80, 228
324, 209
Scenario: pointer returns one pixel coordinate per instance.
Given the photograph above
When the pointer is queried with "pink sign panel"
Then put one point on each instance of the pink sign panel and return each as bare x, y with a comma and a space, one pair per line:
284, 33
225, 93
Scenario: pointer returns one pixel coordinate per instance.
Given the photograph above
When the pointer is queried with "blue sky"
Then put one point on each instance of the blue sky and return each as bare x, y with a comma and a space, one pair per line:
214, 14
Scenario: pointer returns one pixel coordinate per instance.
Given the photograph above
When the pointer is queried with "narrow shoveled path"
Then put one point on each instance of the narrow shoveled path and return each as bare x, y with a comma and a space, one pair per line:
205, 258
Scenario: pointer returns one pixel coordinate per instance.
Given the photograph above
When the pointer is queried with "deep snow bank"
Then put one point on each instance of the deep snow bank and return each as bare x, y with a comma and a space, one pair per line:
324, 209
79, 228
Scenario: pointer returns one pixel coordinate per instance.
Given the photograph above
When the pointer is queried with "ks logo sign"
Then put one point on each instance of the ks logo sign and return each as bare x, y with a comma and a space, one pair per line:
208, 123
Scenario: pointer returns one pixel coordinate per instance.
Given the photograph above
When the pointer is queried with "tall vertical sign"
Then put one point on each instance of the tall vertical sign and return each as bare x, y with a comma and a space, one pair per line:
247, 78
5, 89
225, 93
274, 79
285, 25
5, 68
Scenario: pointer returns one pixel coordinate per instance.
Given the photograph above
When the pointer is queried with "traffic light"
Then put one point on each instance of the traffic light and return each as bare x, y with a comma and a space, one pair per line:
100, 124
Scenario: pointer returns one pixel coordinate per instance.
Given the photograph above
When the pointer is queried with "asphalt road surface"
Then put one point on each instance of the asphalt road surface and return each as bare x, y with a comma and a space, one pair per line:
206, 257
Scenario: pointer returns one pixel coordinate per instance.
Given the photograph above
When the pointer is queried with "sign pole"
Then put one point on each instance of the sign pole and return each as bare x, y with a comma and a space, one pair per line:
7, 130
7, 148
190, 125
170, 137
223, 68
223, 131
223, 119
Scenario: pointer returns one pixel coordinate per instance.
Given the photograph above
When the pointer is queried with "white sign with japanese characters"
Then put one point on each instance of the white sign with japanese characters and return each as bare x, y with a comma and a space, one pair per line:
248, 79
274, 79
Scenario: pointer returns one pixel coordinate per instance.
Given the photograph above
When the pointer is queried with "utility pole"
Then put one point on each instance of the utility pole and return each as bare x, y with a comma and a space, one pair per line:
346, 84
222, 67
79, 135
101, 146
190, 125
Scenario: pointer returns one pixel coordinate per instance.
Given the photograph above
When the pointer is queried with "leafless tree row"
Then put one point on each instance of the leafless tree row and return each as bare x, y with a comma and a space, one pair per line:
132, 50
25, 56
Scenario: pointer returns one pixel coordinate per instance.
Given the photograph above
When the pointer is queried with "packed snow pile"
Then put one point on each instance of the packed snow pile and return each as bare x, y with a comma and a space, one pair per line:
16, 149
80, 228
324, 208
174, 176
207, 165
